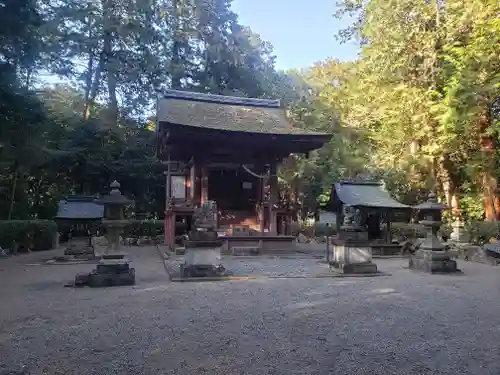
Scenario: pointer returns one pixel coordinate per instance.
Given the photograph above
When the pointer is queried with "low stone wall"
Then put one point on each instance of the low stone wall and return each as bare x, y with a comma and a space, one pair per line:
251, 245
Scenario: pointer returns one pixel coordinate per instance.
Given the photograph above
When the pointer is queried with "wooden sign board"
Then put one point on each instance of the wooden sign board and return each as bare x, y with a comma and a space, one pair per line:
178, 187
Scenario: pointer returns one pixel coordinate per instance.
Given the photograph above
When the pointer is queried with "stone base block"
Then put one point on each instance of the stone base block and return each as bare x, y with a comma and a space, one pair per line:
112, 279
202, 271
79, 251
354, 268
112, 266
81, 279
246, 250
113, 256
202, 257
433, 262
109, 272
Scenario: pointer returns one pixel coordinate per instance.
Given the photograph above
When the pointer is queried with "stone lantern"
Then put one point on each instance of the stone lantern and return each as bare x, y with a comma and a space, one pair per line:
113, 269
432, 257
114, 216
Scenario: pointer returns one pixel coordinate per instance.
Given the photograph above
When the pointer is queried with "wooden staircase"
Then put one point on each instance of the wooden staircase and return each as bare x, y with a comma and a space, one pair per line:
231, 218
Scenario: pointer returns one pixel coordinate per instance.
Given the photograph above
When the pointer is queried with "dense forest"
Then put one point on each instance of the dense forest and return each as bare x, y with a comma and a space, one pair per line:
419, 108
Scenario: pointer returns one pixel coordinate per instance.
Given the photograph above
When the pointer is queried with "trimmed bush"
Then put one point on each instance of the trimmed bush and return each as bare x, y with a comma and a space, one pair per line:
149, 228
34, 235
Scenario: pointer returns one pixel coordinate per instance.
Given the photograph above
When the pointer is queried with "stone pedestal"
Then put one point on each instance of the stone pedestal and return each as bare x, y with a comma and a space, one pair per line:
202, 262
352, 257
351, 253
109, 272
459, 234
203, 248
433, 262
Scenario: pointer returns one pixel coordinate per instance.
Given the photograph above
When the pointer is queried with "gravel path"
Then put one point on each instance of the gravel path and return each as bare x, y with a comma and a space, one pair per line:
407, 323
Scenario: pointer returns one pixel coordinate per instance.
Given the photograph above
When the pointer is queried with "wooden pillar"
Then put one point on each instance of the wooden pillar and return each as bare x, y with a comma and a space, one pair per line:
204, 184
170, 219
273, 199
169, 237
262, 204
192, 182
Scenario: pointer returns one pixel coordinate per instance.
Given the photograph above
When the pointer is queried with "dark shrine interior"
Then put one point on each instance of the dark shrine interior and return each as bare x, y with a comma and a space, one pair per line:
233, 189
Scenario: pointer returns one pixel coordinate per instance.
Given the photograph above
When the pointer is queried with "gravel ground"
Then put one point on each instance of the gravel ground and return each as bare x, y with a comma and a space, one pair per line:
406, 323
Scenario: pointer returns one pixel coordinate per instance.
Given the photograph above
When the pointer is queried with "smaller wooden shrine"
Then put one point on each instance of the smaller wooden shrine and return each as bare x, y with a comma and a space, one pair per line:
77, 218
373, 205
226, 150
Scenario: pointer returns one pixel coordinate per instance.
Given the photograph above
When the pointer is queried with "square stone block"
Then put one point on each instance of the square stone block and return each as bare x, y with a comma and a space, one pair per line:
352, 268
112, 266
97, 280
202, 257
351, 253
433, 262
113, 256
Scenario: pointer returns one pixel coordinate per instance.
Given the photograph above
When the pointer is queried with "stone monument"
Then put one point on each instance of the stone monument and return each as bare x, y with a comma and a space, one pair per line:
432, 256
459, 234
351, 251
203, 248
113, 269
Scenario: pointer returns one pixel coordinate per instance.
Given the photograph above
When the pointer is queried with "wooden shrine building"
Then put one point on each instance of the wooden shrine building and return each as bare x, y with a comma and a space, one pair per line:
375, 206
227, 149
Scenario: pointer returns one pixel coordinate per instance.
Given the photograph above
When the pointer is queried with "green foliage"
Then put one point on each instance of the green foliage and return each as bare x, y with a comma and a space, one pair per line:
314, 230
143, 228
28, 234
415, 108
482, 232
407, 231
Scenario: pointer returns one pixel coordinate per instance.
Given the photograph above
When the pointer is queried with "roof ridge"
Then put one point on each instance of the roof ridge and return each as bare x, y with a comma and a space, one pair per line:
220, 99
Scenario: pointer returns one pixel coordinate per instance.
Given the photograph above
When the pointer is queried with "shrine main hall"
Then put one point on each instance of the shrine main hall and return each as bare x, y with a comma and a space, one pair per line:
227, 150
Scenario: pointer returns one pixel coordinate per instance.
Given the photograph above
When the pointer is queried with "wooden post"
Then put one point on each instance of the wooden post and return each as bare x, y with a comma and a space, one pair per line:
273, 199
192, 179
204, 183
262, 205
169, 239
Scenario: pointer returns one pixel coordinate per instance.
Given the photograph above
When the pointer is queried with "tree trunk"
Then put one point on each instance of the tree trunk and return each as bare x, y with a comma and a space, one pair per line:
88, 76
488, 177
176, 69
110, 69
88, 85
449, 185
96, 83
15, 177
109, 60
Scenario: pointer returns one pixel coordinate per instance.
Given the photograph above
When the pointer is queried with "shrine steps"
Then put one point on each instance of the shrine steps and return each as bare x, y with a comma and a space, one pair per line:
237, 218
253, 245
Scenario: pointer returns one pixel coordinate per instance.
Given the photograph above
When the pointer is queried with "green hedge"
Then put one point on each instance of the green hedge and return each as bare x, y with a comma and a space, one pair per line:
27, 234
148, 228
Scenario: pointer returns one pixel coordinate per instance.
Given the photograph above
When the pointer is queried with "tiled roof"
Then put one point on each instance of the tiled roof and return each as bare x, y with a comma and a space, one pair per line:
79, 208
226, 113
365, 194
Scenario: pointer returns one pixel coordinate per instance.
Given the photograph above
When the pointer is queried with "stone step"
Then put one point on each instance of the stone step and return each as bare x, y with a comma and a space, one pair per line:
245, 250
